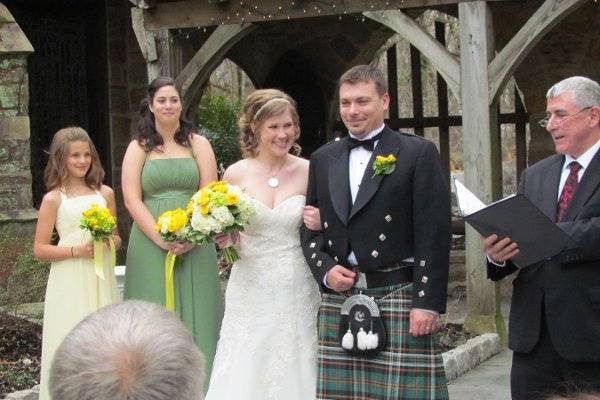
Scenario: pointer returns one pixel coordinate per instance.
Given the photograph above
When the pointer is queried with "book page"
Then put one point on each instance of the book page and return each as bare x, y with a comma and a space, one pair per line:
467, 201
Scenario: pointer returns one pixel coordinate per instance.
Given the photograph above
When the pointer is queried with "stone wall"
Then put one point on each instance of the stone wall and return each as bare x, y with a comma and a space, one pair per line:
15, 176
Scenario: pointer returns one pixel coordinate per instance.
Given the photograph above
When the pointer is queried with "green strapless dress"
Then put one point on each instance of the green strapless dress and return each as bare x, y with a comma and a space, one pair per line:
168, 184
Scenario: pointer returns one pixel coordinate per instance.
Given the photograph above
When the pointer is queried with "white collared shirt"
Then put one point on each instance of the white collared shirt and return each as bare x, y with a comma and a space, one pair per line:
357, 164
584, 160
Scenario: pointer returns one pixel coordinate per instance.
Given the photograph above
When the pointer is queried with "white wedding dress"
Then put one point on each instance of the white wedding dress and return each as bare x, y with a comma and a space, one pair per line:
268, 342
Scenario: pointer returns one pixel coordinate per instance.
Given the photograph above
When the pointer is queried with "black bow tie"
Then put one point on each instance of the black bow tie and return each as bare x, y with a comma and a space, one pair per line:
368, 144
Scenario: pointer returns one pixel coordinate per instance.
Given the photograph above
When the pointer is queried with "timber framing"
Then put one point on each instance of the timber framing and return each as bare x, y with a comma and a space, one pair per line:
477, 77
200, 13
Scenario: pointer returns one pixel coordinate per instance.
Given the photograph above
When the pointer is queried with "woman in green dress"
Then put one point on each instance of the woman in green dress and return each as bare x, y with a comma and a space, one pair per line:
164, 165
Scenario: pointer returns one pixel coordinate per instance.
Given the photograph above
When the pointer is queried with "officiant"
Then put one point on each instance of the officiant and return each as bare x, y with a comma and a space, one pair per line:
554, 327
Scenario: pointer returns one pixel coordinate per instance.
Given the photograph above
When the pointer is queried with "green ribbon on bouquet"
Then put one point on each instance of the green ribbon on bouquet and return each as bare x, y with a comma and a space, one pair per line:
169, 284
99, 256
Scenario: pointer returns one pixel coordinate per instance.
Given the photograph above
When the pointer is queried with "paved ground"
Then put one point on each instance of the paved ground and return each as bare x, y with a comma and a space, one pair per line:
488, 381
491, 379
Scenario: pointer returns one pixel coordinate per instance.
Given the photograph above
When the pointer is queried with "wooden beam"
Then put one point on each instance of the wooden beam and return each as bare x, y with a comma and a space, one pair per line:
197, 13
521, 119
480, 153
198, 69
392, 75
502, 67
442, 60
146, 40
442, 96
416, 88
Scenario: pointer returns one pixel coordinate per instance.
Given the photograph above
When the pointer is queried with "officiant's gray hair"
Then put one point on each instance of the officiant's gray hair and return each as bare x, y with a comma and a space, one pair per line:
587, 91
131, 350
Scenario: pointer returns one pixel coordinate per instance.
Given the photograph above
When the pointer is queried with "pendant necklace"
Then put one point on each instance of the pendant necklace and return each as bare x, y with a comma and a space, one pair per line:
273, 181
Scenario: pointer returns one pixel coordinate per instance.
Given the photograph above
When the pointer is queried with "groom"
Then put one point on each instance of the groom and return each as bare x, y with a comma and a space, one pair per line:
386, 234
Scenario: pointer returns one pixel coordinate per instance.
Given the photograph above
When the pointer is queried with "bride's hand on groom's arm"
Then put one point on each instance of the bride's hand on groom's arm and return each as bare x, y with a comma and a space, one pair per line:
312, 218
340, 279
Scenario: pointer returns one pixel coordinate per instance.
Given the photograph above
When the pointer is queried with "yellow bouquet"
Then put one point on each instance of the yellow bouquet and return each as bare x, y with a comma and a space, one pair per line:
171, 226
218, 208
101, 223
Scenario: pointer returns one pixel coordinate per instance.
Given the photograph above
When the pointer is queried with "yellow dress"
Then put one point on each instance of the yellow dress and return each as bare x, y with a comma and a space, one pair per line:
73, 289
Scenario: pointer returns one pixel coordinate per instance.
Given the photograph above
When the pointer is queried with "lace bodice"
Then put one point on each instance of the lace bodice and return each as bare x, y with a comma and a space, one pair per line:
273, 230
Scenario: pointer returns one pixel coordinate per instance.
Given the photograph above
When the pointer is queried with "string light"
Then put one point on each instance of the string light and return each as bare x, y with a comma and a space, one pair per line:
249, 10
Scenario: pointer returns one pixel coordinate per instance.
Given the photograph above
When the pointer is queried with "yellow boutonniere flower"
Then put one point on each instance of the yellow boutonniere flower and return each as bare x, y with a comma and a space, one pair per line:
384, 165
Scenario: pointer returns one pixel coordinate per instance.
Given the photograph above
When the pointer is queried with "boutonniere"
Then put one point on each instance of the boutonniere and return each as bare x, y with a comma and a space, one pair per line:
384, 165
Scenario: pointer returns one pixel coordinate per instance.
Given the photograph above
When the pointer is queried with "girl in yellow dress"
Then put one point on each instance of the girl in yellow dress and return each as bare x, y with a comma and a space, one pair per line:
73, 177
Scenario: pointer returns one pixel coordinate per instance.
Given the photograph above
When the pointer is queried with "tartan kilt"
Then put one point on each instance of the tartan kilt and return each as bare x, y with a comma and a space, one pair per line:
408, 368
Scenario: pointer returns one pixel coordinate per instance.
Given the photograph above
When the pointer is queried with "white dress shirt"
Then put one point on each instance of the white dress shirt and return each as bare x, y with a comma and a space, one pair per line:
357, 164
584, 160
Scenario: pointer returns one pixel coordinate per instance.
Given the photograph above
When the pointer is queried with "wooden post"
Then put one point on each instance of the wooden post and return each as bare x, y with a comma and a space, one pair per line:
481, 154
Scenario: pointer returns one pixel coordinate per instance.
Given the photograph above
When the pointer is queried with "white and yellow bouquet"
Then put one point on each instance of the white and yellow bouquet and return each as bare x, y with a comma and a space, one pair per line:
101, 223
171, 226
218, 208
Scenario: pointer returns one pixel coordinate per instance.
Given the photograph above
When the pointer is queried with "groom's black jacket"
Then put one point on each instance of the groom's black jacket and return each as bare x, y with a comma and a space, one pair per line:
395, 216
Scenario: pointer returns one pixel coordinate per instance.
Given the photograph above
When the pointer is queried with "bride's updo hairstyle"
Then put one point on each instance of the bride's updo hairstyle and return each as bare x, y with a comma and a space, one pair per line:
259, 106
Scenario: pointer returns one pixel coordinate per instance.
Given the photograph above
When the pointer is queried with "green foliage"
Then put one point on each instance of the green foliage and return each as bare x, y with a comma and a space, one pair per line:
217, 118
22, 278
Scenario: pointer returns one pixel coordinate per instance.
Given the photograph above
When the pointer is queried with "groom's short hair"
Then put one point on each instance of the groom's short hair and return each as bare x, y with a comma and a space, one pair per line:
131, 350
365, 73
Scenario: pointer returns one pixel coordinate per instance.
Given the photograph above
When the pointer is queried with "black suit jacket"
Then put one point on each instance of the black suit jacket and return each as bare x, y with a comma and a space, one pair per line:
395, 216
565, 287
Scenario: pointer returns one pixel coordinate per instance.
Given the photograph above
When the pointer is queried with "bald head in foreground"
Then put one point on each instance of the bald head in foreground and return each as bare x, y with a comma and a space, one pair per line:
131, 350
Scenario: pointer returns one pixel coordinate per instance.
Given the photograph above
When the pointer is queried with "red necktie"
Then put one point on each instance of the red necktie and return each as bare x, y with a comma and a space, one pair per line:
568, 190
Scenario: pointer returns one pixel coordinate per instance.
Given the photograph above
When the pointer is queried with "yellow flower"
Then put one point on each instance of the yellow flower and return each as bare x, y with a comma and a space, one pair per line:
231, 199
190, 207
178, 219
204, 209
220, 188
204, 198
384, 165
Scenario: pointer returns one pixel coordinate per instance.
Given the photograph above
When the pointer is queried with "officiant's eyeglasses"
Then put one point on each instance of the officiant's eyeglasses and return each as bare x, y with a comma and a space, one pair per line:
559, 119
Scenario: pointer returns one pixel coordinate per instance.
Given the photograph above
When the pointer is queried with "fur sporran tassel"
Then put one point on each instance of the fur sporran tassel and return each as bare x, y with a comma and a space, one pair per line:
361, 339
348, 340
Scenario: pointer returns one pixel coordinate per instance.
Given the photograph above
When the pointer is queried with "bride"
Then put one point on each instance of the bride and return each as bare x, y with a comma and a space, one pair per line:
267, 345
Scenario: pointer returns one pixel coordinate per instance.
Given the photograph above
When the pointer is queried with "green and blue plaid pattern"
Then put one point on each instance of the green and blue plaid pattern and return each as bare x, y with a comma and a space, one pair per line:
408, 368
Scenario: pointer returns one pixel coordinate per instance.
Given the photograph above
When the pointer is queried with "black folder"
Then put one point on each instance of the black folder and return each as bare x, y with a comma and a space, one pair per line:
537, 236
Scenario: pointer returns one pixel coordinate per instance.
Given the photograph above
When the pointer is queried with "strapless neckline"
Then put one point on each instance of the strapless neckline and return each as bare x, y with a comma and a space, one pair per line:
278, 205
